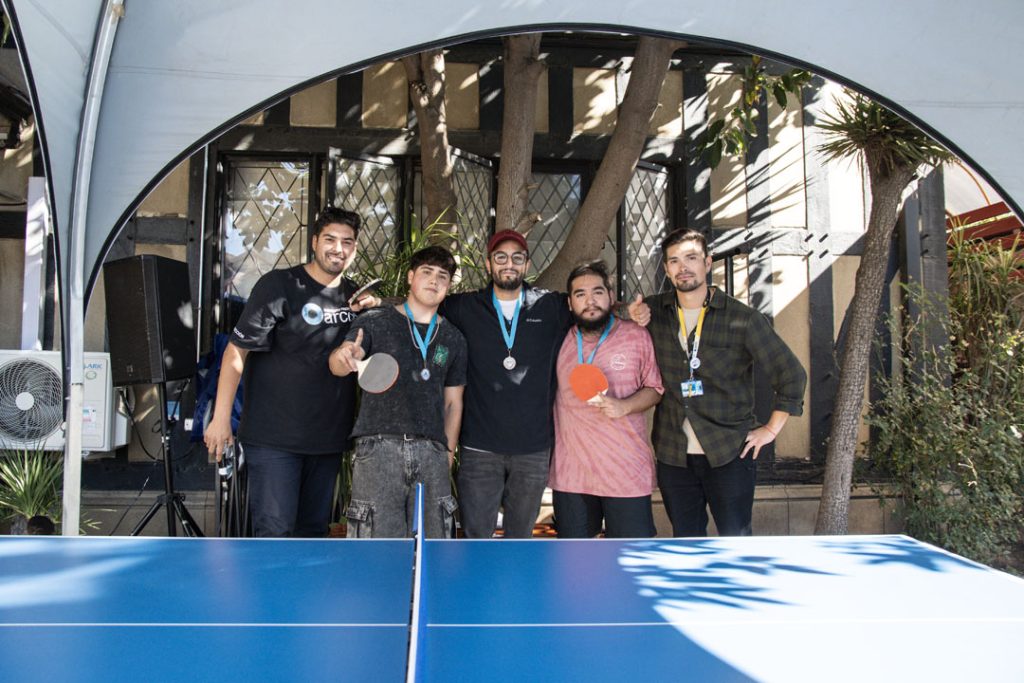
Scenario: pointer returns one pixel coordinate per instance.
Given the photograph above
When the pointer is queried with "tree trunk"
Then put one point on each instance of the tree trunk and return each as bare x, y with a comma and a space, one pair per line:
426, 74
522, 69
613, 175
886, 193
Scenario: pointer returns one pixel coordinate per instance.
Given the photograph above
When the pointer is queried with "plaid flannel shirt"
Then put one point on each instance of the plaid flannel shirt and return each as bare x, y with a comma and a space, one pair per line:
733, 339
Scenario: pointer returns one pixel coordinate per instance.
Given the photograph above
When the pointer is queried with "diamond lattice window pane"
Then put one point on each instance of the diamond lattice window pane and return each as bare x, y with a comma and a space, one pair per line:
556, 198
371, 189
646, 214
264, 222
473, 192
473, 184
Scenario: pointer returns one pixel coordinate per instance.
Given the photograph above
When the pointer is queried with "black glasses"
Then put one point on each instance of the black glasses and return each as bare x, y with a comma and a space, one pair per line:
501, 258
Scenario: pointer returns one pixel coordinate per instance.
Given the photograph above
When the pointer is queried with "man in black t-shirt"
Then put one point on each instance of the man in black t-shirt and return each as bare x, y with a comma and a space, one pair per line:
296, 415
514, 332
407, 434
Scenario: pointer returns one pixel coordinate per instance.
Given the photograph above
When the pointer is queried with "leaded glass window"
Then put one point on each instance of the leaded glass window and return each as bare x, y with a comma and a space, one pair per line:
556, 198
474, 195
473, 190
371, 188
264, 221
645, 213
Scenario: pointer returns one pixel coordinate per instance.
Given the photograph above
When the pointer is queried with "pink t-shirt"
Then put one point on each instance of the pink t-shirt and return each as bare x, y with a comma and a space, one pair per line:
595, 454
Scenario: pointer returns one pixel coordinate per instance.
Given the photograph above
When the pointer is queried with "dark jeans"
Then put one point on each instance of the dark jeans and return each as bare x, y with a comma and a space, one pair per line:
579, 515
290, 494
488, 481
728, 490
385, 472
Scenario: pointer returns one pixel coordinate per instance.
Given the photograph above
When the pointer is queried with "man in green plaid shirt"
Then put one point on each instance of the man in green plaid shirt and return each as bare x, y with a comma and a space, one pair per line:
706, 437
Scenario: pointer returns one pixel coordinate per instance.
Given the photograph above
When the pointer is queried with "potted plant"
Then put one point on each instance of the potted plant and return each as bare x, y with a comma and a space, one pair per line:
30, 486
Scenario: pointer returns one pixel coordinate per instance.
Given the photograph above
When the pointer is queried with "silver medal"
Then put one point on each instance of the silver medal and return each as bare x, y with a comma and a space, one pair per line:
509, 363
695, 363
425, 374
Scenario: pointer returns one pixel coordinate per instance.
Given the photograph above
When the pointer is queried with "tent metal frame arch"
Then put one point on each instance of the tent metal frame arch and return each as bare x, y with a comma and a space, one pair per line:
44, 154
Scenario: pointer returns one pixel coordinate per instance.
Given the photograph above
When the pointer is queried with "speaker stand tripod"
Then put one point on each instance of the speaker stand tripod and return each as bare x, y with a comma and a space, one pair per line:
171, 501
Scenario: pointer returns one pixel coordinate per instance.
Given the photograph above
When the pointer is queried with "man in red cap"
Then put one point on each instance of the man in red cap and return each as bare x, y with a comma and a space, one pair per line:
513, 331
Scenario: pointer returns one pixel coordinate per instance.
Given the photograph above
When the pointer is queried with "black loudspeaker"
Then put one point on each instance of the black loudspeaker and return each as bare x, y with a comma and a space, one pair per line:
149, 320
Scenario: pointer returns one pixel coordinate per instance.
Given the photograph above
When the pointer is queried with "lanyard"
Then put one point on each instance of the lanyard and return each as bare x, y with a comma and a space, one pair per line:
420, 341
579, 341
508, 334
692, 352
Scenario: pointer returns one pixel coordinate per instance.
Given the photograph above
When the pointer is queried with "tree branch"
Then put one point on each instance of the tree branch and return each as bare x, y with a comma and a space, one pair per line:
653, 57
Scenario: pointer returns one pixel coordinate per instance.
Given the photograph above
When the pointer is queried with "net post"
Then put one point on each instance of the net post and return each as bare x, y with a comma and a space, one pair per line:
416, 625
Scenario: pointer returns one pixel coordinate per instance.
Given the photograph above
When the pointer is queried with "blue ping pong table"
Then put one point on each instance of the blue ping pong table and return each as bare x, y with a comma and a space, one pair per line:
721, 609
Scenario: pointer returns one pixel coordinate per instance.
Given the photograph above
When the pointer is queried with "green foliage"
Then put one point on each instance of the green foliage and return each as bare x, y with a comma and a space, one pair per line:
987, 291
731, 135
393, 269
30, 482
861, 125
950, 430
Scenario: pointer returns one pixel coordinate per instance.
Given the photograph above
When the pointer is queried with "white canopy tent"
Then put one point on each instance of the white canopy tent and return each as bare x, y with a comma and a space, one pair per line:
125, 90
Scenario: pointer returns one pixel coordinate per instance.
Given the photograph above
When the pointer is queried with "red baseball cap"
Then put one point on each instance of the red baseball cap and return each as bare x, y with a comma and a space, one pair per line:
507, 236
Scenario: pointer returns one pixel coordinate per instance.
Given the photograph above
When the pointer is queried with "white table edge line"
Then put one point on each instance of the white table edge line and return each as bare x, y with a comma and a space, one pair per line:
136, 624
740, 622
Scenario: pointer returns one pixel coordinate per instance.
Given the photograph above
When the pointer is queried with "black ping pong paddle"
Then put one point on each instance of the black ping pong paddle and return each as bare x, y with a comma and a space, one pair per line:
368, 287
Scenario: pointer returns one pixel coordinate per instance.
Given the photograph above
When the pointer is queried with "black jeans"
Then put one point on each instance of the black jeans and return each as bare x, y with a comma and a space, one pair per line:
290, 494
579, 515
728, 490
488, 481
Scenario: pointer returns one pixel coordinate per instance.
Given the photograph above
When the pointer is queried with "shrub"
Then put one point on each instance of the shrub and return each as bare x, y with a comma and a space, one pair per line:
392, 269
950, 428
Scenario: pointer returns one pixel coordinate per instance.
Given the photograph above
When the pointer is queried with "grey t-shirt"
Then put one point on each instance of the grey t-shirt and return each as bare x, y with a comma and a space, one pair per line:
413, 405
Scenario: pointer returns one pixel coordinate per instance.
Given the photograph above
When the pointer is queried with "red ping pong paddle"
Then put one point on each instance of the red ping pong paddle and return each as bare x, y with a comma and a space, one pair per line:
377, 373
587, 381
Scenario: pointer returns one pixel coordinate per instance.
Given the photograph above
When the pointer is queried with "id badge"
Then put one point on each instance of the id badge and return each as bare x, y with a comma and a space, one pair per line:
693, 387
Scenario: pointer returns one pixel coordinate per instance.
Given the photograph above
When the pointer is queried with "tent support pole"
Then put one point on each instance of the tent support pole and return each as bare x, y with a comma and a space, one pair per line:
74, 336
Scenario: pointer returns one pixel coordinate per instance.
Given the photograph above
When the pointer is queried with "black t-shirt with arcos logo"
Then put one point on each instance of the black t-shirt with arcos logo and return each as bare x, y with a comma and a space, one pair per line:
291, 401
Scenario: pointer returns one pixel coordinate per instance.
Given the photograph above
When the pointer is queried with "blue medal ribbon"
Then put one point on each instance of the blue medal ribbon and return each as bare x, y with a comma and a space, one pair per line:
579, 341
508, 334
420, 341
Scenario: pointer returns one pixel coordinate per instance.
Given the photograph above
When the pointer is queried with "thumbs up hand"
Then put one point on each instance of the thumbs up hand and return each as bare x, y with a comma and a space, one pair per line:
639, 312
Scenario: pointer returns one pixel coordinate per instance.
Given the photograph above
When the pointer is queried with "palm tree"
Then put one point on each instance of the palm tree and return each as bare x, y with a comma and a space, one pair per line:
893, 150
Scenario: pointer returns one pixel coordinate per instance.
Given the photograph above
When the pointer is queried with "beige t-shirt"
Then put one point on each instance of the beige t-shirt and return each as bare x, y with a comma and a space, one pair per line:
690, 317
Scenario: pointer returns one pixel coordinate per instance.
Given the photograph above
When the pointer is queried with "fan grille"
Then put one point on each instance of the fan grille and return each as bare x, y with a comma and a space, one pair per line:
31, 401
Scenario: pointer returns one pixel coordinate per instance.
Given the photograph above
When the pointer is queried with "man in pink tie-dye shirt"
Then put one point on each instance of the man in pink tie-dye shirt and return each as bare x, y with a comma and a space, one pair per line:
602, 469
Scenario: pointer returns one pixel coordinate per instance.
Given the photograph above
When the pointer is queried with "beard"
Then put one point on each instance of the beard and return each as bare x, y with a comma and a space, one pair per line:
326, 265
593, 325
687, 286
509, 284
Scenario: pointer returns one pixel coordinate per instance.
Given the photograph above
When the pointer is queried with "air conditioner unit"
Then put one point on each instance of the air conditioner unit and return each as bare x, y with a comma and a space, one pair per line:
32, 403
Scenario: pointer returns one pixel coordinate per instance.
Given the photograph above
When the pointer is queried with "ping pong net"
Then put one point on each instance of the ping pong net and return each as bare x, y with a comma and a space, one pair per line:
417, 625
